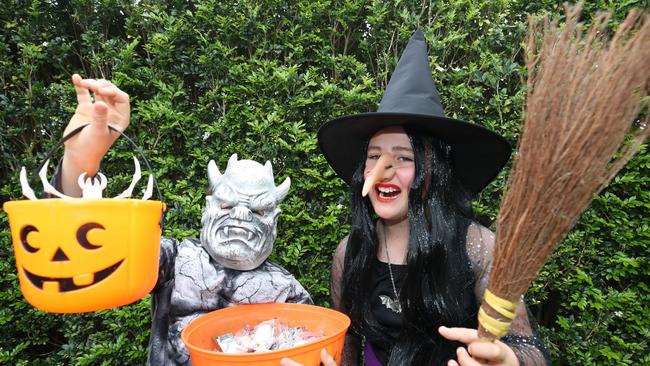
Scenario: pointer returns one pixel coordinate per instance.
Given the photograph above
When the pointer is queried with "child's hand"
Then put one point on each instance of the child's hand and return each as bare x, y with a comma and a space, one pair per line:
478, 352
84, 151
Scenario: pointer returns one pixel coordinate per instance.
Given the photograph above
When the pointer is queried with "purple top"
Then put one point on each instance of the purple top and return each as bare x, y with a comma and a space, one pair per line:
369, 356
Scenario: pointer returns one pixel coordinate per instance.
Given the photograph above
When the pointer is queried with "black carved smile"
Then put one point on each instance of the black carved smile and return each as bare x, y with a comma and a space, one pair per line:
67, 284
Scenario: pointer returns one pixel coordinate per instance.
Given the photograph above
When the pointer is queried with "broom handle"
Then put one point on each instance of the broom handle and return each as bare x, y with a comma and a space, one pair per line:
483, 334
495, 316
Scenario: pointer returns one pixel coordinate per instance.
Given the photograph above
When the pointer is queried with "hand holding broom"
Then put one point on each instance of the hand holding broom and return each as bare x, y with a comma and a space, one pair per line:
582, 124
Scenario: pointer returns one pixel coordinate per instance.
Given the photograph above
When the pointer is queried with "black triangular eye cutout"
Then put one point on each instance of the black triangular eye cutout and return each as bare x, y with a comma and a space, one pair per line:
59, 256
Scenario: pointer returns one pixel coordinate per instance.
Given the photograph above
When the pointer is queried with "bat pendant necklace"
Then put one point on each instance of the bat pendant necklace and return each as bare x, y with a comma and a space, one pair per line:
392, 304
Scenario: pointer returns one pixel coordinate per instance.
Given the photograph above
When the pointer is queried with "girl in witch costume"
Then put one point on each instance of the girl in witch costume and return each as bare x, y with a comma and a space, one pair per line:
414, 267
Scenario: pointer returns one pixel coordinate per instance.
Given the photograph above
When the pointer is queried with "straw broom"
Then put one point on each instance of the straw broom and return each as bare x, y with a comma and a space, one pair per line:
582, 124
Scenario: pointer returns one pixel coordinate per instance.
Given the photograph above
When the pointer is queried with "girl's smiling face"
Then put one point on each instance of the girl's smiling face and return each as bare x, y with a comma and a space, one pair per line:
393, 176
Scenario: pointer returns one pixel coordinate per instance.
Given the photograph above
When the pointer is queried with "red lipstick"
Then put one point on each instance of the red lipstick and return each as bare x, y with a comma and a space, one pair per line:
387, 192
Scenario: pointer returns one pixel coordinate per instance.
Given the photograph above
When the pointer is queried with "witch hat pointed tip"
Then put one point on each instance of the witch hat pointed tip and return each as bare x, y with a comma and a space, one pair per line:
411, 88
418, 37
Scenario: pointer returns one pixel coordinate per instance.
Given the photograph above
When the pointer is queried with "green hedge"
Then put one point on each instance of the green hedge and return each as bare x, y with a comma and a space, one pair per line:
208, 78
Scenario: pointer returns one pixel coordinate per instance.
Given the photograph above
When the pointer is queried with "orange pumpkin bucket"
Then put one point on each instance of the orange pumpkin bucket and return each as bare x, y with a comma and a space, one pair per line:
85, 254
200, 335
79, 255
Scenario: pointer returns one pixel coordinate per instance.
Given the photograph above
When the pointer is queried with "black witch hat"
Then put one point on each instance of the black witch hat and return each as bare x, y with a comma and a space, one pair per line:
411, 98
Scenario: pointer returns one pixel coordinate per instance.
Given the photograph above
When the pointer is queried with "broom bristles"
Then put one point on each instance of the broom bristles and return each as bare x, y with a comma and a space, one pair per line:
584, 95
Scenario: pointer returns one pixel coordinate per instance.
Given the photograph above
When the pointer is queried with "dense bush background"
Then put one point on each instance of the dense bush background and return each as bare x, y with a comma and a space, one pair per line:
209, 78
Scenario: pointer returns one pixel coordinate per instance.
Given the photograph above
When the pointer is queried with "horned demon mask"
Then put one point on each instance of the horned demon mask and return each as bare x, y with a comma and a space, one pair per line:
240, 218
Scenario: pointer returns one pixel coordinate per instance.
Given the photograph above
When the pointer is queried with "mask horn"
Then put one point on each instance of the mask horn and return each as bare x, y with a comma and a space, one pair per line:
213, 174
233, 159
268, 169
281, 191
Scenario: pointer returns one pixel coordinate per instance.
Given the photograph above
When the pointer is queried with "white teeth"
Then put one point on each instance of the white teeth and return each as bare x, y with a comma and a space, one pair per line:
51, 286
387, 190
226, 232
84, 279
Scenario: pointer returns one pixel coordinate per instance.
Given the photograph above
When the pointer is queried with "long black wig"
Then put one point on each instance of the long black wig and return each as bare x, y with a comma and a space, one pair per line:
438, 286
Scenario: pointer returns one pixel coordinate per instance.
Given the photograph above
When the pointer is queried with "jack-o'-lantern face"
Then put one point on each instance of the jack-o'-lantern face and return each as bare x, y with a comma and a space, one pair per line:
85, 255
64, 273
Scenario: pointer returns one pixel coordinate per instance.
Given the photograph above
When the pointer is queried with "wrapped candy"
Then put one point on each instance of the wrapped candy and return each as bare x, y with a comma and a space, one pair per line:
269, 335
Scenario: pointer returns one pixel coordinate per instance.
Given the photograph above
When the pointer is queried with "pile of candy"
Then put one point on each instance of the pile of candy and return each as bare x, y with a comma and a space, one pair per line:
269, 335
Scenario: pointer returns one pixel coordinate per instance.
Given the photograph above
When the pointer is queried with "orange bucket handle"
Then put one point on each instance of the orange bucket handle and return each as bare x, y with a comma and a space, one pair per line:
133, 144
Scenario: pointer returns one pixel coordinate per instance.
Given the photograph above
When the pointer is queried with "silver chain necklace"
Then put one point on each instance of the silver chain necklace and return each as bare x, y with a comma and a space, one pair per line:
392, 304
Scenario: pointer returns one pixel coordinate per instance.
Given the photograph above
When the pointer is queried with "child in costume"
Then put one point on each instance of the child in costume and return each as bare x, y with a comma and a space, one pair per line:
414, 267
228, 265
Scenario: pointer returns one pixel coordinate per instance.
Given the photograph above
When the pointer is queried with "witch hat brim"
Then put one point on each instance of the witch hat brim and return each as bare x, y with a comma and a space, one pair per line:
411, 99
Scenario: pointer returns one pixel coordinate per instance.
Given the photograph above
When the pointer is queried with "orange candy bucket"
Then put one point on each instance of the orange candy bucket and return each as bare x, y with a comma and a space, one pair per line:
80, 255
85, 254
199, 336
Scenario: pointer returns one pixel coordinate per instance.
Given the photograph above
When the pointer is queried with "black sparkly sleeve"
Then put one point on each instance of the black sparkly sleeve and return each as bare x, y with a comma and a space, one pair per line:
522, 337
528, 349
352, 351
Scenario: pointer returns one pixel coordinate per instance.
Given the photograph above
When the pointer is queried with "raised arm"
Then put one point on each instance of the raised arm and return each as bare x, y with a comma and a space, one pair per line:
85, 151
522, 338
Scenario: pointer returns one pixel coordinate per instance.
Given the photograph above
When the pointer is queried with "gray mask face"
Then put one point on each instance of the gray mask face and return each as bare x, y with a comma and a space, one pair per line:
240, 219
